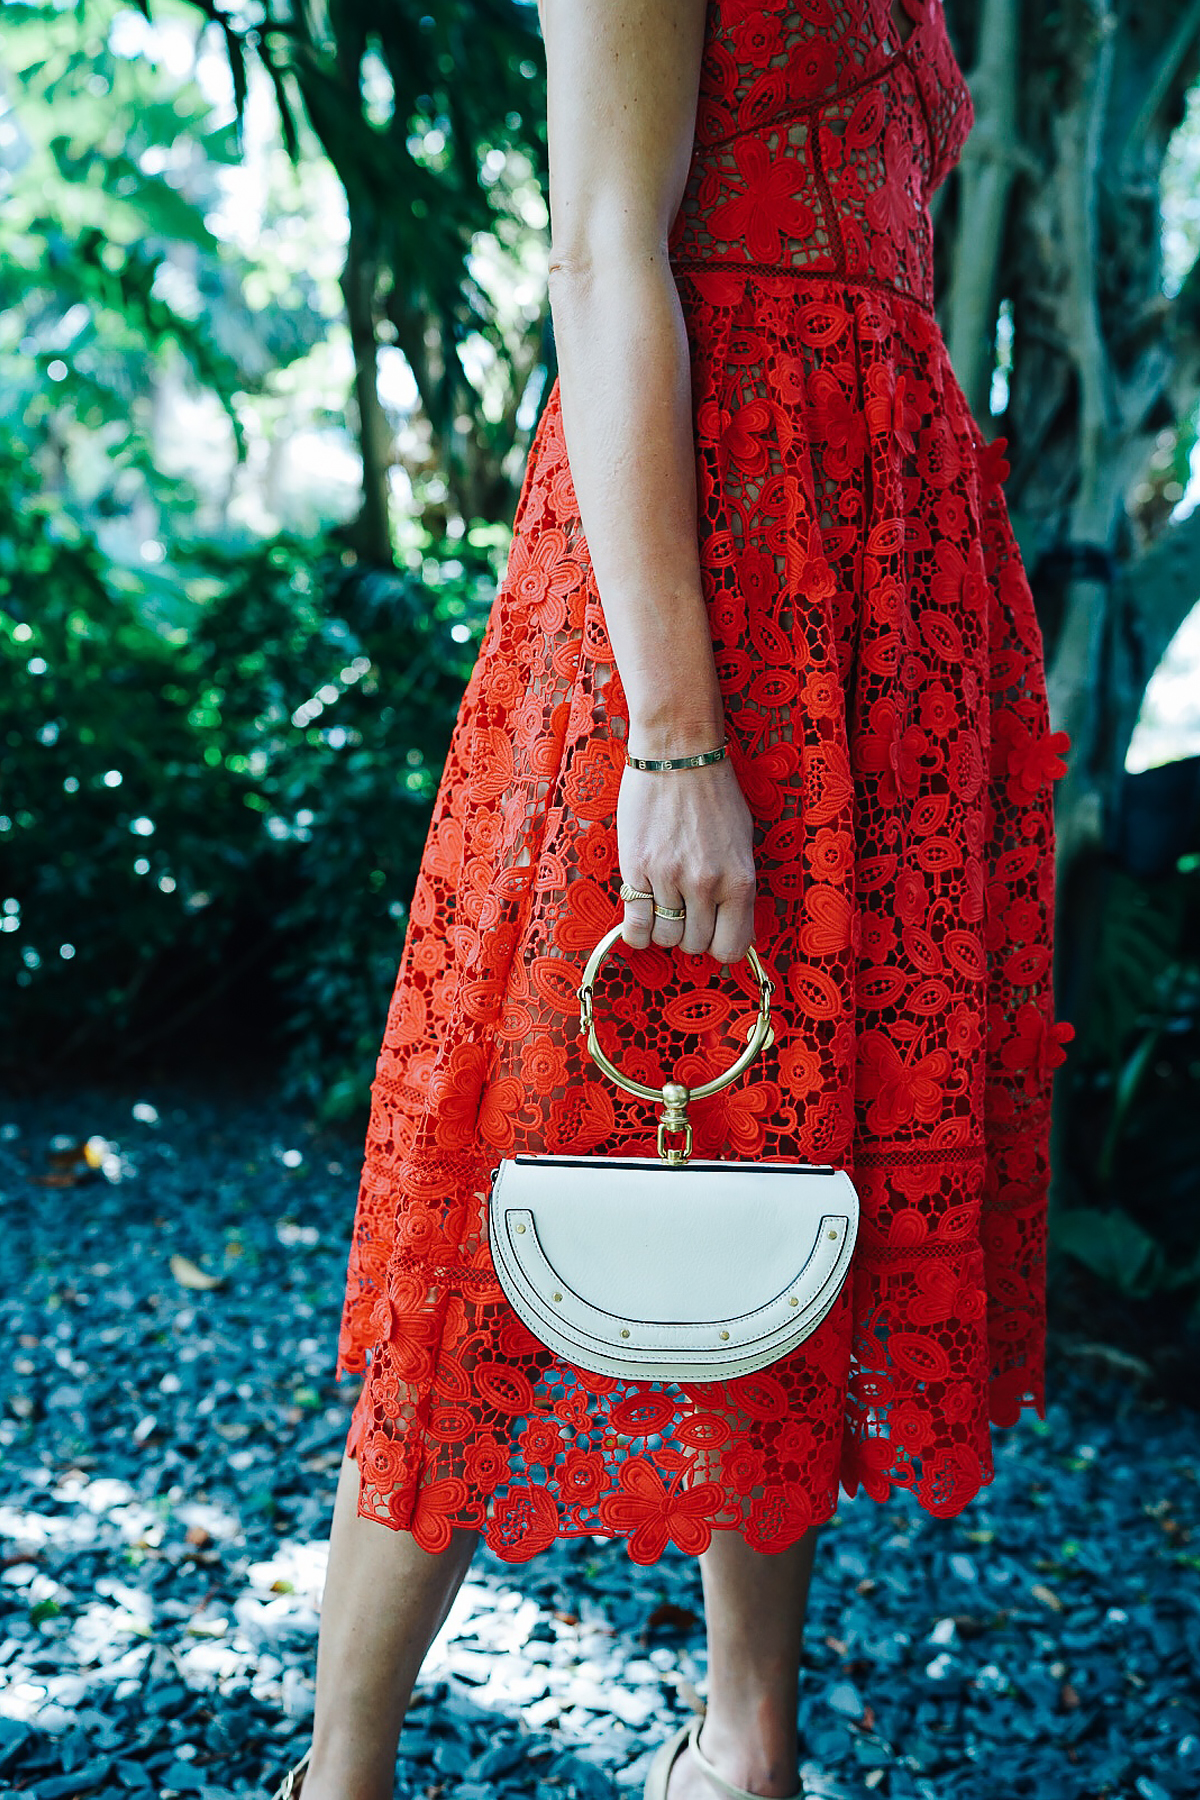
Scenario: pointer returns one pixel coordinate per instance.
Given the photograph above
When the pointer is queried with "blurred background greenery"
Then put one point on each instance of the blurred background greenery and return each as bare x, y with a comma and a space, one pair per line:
274, 338
271, 346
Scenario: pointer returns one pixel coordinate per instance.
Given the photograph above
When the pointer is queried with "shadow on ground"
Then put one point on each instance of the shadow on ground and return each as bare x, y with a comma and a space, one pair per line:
170, 1434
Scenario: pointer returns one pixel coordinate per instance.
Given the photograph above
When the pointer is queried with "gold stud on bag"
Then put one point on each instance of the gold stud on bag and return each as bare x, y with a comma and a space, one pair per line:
664, 1268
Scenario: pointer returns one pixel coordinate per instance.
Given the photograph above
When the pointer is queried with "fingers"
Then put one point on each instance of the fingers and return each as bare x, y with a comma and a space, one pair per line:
639, 922
698, 926
733, 931
722, 928
643, 926
669, 932
639, 914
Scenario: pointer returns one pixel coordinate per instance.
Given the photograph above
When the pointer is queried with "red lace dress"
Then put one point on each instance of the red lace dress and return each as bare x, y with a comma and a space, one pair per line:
883, 680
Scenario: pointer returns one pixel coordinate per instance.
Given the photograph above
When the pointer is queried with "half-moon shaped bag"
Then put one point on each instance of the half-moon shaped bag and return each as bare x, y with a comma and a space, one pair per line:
661, 1268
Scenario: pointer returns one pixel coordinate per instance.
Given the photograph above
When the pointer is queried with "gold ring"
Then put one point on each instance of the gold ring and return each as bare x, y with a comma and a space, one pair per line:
632, 893
670, 912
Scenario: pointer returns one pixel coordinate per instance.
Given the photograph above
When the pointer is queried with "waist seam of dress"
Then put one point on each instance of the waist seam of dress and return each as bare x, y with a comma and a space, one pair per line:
702, 265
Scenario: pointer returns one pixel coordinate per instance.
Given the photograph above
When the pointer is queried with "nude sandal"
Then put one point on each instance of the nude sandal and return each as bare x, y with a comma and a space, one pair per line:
289, 1787
664, 1761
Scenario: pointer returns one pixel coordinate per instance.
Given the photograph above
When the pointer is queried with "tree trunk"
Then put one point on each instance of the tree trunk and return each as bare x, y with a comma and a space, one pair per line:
986, 173
1056, 209
371, 532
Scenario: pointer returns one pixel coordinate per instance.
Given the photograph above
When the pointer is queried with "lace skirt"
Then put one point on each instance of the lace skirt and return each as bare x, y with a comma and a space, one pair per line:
882, 673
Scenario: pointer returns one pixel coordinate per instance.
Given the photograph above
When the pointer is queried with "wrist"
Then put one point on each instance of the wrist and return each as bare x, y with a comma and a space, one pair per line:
668, 734
674, 743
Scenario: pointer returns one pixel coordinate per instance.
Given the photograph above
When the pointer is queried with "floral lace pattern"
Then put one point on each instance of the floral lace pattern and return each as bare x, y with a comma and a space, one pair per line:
882, 671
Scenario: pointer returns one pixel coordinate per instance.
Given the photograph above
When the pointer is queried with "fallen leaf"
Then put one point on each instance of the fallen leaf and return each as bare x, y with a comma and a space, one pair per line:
208, 1628
190, 1275
969, 1626
322, 1462
65, 1159
1068, 1699
672, 1617
1046, 1596
1116, 1359
196, 1534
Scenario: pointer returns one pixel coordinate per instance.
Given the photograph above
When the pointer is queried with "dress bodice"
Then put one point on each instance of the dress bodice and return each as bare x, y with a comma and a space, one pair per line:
821, 133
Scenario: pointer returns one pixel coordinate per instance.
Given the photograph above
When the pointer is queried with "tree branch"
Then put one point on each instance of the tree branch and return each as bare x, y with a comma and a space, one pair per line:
986, 175
1164, 77
1073, 682
372, 529
1080, 137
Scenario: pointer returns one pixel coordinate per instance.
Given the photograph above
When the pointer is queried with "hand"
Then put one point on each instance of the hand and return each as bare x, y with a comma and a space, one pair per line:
686, 836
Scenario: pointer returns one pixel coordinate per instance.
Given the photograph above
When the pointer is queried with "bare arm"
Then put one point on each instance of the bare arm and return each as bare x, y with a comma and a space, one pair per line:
623, 83
623, 80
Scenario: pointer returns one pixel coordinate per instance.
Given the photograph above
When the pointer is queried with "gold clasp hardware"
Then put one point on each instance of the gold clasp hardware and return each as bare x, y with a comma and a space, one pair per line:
674, 1119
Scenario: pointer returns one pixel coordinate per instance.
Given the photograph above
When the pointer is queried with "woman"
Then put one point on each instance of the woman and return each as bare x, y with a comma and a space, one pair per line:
778, 528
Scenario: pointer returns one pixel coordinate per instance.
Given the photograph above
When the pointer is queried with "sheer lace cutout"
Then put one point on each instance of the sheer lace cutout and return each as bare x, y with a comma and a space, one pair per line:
882, 670
903, 23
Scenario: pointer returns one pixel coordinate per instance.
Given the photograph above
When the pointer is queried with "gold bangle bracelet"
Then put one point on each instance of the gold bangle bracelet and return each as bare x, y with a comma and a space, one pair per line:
678, 762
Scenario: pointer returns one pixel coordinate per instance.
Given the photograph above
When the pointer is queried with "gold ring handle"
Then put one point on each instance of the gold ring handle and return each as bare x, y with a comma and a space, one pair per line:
673, 1094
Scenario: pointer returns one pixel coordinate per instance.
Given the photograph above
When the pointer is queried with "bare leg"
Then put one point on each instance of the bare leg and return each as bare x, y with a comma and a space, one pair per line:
755, 1605
385, 1601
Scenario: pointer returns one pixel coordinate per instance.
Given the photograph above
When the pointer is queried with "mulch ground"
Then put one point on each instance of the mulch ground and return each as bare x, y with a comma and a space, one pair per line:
169, 1437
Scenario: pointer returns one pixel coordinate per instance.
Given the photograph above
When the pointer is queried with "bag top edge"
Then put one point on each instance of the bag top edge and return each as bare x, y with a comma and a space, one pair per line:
654, 1162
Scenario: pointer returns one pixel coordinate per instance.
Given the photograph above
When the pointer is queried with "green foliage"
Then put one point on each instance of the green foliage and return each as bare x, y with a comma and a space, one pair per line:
1115, 1247
407, 101
1135, 1097
1136, 927
217, 758
111, 277
252, 794
434, 120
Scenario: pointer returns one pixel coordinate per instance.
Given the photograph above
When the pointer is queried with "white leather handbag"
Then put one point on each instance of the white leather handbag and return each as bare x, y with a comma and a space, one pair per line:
664, 1268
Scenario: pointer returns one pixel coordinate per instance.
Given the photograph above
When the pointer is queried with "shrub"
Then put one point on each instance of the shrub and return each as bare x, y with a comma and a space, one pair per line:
243, 801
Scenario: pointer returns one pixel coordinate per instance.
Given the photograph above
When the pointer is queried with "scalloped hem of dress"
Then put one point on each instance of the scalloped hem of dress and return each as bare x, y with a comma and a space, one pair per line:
647, 1555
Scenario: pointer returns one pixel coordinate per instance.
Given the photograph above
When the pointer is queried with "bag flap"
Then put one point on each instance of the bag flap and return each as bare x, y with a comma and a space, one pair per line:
674, 1245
